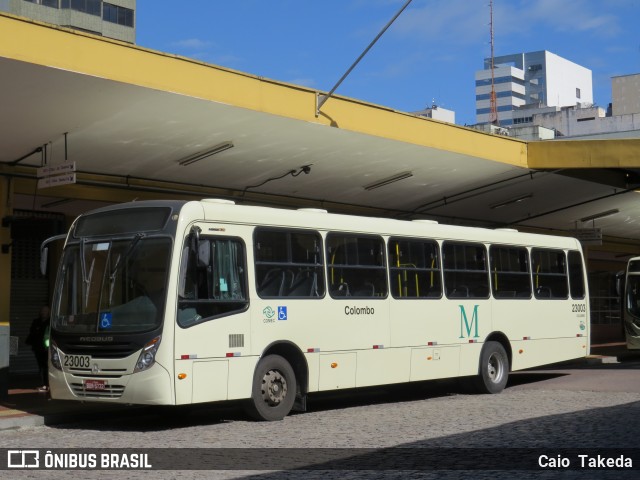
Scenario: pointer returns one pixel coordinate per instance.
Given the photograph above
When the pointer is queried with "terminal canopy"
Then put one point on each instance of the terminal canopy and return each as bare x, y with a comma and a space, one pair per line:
138, 122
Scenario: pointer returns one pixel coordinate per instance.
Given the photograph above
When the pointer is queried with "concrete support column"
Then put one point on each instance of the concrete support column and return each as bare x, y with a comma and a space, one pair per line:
6, 210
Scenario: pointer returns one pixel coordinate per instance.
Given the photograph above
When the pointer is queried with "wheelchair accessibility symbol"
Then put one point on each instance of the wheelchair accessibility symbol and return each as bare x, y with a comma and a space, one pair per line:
105, 321
282, 313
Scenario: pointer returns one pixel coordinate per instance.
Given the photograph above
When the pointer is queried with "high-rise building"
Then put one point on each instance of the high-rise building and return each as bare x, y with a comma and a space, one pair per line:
113, 19
538, 79
625, 94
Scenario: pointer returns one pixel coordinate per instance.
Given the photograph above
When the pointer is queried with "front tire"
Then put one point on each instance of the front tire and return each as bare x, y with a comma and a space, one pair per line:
274, 389
494, 368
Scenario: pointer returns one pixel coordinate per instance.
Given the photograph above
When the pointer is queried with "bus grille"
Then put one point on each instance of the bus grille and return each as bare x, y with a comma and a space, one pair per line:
110, 391
103, 373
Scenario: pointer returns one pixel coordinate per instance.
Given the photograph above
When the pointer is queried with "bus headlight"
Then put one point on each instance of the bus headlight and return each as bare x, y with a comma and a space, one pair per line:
148, 355
55, 356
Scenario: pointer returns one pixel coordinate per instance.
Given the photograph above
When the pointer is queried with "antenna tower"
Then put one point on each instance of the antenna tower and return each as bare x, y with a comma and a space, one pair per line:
493, 108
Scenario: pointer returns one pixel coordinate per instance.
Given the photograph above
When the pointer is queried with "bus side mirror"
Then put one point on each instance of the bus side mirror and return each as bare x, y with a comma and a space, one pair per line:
44, 257
195, 242
620, 283
44, 251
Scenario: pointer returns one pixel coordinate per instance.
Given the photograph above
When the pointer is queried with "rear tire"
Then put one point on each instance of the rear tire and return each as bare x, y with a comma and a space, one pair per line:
494, 368
274, 389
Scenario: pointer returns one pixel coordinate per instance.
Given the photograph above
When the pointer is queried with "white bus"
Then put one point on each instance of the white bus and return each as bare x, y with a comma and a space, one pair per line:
631, 304
174, 303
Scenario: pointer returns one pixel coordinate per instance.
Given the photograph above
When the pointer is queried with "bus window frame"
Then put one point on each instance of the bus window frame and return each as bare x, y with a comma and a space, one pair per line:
582, 275
494, 274
393, 270
286, 267
187, 255
537, 289
343, 287
459, 286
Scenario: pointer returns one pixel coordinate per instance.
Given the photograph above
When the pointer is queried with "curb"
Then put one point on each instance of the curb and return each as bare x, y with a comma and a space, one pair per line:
589, 360
13, 419
19, 421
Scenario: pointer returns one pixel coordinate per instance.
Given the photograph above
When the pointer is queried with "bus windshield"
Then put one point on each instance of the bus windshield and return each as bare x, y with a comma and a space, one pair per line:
633, 296
112, 286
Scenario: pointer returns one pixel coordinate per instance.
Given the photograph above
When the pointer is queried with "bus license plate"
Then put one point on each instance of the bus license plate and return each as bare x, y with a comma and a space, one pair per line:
95, 384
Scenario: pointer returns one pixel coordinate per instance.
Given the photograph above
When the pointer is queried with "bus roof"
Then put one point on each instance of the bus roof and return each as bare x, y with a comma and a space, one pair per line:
226, 211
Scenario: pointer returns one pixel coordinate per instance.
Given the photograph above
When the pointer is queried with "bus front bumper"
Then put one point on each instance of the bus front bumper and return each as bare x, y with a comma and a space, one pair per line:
149, 387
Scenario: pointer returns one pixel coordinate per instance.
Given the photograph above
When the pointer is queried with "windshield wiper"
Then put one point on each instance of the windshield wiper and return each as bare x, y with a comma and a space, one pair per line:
83, 269
119, 261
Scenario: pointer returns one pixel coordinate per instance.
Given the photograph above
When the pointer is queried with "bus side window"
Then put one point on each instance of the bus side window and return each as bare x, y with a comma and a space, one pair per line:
576, 275
288, 263
510, 273
414, 266
212, 280
465, 270
356, 266
549, 273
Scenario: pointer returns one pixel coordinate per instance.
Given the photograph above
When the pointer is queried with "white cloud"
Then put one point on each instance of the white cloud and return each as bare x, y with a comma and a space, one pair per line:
401, 67
205, 51
193, 44
574, 16
457, 21
465, 22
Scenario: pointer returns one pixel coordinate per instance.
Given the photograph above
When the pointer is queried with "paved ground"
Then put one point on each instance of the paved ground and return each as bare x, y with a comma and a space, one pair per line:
567, 410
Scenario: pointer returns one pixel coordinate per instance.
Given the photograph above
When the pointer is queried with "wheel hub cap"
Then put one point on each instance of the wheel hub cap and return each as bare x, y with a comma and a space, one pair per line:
274, 387
494, 369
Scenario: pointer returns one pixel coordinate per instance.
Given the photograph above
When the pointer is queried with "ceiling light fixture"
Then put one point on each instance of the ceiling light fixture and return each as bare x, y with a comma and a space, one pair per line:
597, 216
221, 147
511, 201
387, 181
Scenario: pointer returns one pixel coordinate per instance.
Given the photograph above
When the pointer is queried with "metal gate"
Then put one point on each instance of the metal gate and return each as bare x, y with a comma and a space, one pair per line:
29, 288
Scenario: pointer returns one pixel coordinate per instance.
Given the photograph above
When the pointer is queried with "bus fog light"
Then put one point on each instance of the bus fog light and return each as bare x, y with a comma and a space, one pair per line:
148, 355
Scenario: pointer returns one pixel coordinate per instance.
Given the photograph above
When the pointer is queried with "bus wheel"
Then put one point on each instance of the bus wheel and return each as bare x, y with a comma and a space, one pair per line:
494, 368
274, 389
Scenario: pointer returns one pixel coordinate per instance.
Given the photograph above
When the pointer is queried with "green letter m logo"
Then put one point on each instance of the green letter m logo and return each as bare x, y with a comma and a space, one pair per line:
464, 322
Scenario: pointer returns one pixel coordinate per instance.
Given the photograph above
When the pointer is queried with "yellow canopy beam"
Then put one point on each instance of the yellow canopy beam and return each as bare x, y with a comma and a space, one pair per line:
618, 153
86, 54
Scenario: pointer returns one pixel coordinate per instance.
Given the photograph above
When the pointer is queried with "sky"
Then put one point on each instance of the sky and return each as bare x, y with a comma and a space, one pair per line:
429, 55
